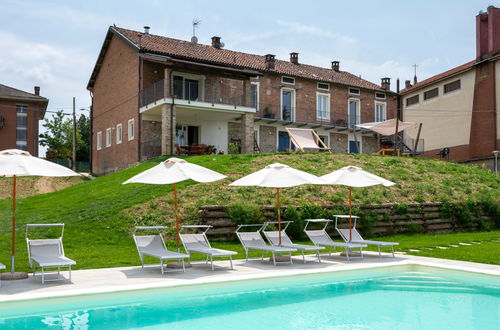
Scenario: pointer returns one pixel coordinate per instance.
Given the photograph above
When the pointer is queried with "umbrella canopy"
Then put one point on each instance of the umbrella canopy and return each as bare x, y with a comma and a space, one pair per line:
14, 163
353, 176
175, 170
278, 176
21, 163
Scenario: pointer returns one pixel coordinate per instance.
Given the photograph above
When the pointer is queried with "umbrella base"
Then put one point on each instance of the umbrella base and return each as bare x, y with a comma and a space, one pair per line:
14, 276
178, 265
280, 259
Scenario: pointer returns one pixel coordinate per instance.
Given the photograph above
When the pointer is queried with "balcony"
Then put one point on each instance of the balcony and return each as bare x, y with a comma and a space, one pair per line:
192, 95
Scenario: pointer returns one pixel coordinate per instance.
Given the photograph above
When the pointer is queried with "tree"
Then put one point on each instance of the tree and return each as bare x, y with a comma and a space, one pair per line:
59, 137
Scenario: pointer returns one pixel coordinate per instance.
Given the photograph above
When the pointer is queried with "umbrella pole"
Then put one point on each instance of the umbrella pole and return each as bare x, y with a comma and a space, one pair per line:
177, 218
350, 214
279, 214
14, 184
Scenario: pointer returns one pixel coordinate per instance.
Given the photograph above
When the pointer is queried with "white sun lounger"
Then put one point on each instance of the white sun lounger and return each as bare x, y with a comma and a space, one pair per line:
48, 253
154, 246
252, 240
198, 243
321, 238
273, 238
356, 236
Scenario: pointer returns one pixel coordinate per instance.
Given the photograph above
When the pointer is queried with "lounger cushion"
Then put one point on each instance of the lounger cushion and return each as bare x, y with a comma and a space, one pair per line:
48, 253
273, 237
53, 261
303, 247
163, 254
213, 252
152, 245
253, 240
381, 243
271, 248
357, 238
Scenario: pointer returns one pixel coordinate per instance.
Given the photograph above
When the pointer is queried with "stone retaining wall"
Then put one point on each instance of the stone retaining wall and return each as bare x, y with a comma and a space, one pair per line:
418, 218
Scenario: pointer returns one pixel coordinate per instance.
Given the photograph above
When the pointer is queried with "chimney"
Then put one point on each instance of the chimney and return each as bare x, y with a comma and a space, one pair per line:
146, 30
487, 33
37, 90
270, 61
336, 66
407, 84
216, 42
386, 83
294, 58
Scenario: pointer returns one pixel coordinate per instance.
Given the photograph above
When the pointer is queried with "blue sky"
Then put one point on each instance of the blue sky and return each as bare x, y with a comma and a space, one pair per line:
54, 44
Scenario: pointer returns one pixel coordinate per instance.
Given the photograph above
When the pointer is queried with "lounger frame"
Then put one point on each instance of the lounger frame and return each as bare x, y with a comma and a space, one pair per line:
180, 257
357, 238
218, 253
347, 246
33, 261
263, 247
287, 242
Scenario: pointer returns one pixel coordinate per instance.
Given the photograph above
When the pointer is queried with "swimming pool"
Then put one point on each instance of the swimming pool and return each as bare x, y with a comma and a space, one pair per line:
407, 297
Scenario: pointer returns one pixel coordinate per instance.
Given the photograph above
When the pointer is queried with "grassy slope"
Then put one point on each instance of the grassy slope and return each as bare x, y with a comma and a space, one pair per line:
99, 214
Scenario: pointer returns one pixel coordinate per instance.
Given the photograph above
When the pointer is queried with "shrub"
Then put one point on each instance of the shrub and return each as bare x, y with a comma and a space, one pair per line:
245, 213
401, 208
296, 228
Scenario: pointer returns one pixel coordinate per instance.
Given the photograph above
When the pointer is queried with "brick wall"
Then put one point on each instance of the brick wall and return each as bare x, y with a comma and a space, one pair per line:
115, 101
8, 132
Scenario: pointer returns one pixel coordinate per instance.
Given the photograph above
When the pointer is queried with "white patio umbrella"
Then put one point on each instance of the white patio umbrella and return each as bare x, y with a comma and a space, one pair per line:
175, 170
353, 176
14, 163
278, 176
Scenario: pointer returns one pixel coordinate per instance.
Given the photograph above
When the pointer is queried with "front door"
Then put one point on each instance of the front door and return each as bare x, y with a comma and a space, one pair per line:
354, 147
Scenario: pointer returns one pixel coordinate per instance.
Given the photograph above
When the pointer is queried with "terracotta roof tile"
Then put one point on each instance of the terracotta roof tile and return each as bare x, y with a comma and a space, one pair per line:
13, 93
440, 76
188, 50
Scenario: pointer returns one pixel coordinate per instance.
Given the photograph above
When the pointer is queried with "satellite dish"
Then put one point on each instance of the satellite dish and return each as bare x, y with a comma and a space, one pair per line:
194, 39
222, 45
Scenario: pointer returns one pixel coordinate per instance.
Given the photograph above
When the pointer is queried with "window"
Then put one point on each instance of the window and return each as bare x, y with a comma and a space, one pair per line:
380, 96
412, 100
324, 86
288, 80
354, 113
22, 127
354, 91
131, 129
119, 133
380, 112
431, 93
287, 104
108, 137
254, 95
453, 86
354, 147
322, 106
186, 88
99, 141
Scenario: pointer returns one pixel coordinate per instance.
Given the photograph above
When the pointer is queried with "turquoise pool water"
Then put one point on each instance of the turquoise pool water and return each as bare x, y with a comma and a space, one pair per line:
391, 298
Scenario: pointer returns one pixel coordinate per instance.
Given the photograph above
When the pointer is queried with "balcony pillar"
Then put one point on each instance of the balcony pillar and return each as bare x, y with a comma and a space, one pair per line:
167, 85
247, 133
168, 122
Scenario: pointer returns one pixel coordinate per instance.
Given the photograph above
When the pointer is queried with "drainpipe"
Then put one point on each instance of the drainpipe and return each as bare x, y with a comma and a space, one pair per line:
139, 72
172, 129
91, 115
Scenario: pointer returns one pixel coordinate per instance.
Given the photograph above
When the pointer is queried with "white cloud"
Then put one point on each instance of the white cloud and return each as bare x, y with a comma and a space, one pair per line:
317, 31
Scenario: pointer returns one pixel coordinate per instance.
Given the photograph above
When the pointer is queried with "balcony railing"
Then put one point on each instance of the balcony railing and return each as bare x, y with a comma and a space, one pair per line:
191, 93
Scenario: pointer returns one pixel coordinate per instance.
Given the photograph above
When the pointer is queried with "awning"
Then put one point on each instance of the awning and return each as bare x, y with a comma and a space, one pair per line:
306, 138
387, 127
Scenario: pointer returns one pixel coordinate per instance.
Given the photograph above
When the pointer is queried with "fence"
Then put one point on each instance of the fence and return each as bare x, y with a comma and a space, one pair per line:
81, 166
389, 219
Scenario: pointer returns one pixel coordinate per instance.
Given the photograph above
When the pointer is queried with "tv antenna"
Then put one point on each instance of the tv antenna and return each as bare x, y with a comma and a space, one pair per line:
415, 73
196, 23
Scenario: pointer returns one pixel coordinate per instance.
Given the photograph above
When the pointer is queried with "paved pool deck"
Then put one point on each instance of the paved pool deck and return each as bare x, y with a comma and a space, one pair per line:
105, 280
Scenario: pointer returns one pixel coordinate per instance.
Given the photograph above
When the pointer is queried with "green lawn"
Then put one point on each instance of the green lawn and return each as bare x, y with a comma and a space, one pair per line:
100, 214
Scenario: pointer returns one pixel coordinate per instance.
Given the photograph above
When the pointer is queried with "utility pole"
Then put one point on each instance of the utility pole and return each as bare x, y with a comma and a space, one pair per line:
73, 158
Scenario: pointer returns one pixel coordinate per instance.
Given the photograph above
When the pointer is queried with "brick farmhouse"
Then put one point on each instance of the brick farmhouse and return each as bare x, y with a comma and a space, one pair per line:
20, 113
458, 108
152, 94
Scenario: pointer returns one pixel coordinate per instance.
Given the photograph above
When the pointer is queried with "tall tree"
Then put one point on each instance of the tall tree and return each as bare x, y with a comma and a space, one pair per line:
83, 145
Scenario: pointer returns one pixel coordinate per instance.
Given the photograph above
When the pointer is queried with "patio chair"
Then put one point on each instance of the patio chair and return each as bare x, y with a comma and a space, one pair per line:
48, 253
356, 236
198, 243
154, 246
321, 238
253, 240
273, 238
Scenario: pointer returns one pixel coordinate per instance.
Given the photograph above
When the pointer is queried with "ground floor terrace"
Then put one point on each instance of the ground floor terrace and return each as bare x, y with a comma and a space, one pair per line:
191, 127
